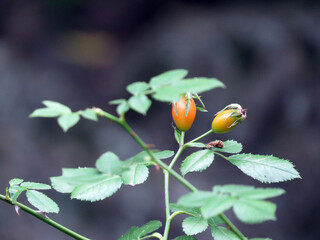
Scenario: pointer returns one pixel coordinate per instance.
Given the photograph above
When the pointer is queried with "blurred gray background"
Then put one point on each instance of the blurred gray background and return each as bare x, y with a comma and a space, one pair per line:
84, 53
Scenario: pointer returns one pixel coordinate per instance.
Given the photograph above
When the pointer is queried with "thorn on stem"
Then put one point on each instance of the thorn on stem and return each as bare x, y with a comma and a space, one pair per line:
17, 208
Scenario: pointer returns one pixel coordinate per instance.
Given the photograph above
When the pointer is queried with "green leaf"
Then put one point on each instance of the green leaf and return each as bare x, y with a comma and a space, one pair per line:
267, 169
216, 204
123, 108
188, 210
254, 211
89, 114
194, 225
149, 228
185, 238
67, 121
201, 109
72, 177
98, 190
168, 78
262, 193
117, 101
63, 109
164, 154
221, 233
217, 220
177, 134
42, 202
198, 85
132, 234
45, 112
195, 199
197, 161
137, 88
167, 94
230, 146
15, 192
33, 185
109, 163
15, 181
136, 233
136, 174
197, 145
140, 103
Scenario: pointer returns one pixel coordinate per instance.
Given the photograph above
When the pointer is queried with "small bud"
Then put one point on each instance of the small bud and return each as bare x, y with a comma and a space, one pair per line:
228, 118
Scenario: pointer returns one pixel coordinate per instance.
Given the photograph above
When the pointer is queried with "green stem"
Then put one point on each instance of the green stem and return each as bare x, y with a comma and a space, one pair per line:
164, 166
44, 219
166, 187
201, 136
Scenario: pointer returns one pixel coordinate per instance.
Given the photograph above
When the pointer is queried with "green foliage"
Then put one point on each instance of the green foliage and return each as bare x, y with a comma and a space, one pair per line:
265, 168
89, 114
137, 88
136, 233
229, 146
197, 161
42, 202
67, 121
168, 78
221, 233
185, 238
246, 202
109, 163
35, 198
136, 174
140, 103
194, 225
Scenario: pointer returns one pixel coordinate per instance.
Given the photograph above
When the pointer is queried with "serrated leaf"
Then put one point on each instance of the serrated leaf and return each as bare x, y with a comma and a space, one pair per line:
137, 88
37, 186
216, 204
123, 108
164, 154
230, 146
198, 85
188, 210
195, 199
197, 161
197, 145
72, 177
98, 190
267, 169
63, 109
136, 174
221, 233
254, 211
232, 189
168, 78
140, 103
109, 163
15, 181
42, 202
136, 233
149, 228
194, 225
217, 220
45, 112
67, 121
132, 234
89, 114
185, 238
167, 94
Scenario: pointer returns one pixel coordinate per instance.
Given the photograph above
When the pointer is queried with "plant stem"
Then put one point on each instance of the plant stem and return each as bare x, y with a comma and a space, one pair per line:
164, 166
44, 219
166, 187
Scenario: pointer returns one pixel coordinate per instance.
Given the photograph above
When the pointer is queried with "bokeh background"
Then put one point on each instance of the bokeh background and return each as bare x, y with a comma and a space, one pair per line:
84, 53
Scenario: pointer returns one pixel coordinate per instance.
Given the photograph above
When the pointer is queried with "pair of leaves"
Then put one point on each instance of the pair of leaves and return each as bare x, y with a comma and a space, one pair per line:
247, 202
136, 233
94, 184
34, 197
201, 160
65, 117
